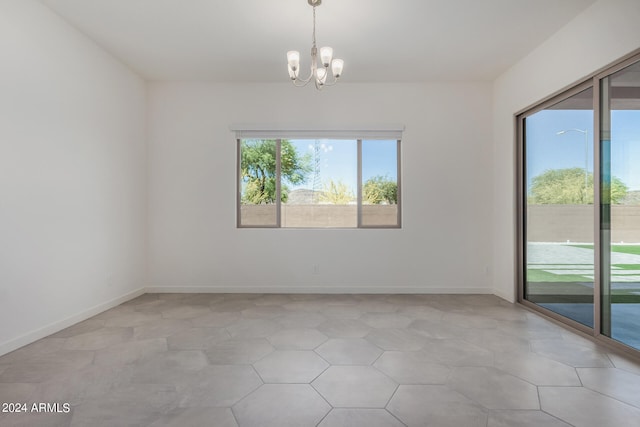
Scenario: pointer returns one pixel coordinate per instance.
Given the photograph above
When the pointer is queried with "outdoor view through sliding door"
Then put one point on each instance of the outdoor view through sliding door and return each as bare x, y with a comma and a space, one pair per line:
620, 205
579, 181
559, 209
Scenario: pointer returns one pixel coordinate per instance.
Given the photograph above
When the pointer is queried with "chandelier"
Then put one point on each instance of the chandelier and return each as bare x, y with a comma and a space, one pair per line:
319, 70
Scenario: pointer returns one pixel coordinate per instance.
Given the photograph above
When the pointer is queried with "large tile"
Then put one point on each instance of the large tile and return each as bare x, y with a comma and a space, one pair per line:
509, 313
455, 352
281, 405
435, 405
579, 406
625, 363
571, 353
38, 369
83, 384
152, 307
273, 299
407, 300
171, 367
39, 419
396, 339
307, 306
355, 387
413, 367
385, 320
99, 339
506, 391
219, 385
34, 351
130, 352
183, 311
197, 417
349, 351
300, 320
297, 339
510, 418
344, 328
202, 299
232, 305
616, 383
16, 392
197, 338
498, 342
215, 319
341, 312
343, 417
290, 367
373, 306
241, 352
470, 321
127, 406
438, 329
136, 380
264, 312
422, 312
534, 327
537, 369
160, 329
132, 319
252, 328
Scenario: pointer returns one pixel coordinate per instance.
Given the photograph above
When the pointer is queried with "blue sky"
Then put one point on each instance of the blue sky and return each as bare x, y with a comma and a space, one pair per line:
338, 160
548, 150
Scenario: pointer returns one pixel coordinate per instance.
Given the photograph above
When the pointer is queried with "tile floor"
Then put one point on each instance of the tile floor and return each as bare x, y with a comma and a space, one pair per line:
320, 360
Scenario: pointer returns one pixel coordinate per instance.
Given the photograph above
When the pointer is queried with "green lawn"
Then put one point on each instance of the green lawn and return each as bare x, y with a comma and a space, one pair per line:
543, 286
625, 249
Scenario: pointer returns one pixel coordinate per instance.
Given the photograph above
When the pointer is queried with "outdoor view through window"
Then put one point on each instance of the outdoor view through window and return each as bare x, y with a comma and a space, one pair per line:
560, 230
321, 183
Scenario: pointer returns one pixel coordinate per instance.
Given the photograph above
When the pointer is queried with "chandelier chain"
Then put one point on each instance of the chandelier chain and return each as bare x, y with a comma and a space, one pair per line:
313, 37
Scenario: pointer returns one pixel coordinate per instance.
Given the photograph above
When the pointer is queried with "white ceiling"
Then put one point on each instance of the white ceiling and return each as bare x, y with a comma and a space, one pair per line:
379, 40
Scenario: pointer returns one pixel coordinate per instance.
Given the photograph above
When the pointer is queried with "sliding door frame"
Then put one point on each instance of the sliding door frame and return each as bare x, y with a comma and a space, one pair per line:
591, 81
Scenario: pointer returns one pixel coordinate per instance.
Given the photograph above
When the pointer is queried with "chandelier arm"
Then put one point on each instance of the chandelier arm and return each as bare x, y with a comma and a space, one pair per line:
302, 84
305, 81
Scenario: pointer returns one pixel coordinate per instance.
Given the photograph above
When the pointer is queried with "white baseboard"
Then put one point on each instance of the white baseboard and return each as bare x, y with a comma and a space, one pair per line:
315, 290
505, 296
52, 328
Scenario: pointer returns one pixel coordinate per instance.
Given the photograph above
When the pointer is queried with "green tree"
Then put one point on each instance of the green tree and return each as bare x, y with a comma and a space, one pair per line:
336, 193
258, 169
380, 189
567, 187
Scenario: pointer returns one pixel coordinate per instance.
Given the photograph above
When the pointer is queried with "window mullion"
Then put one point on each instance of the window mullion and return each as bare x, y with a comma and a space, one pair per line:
359, 184
278, 185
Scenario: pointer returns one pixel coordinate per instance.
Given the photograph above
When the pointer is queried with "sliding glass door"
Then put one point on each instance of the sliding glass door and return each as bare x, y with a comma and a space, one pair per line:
559, 213
620, 204
579, 205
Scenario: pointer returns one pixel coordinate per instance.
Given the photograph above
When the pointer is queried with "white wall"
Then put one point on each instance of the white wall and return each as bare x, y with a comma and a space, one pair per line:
603, 33
72, 176
445, 242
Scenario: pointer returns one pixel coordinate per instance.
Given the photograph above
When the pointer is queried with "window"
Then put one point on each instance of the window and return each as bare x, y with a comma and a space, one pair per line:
318, 182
